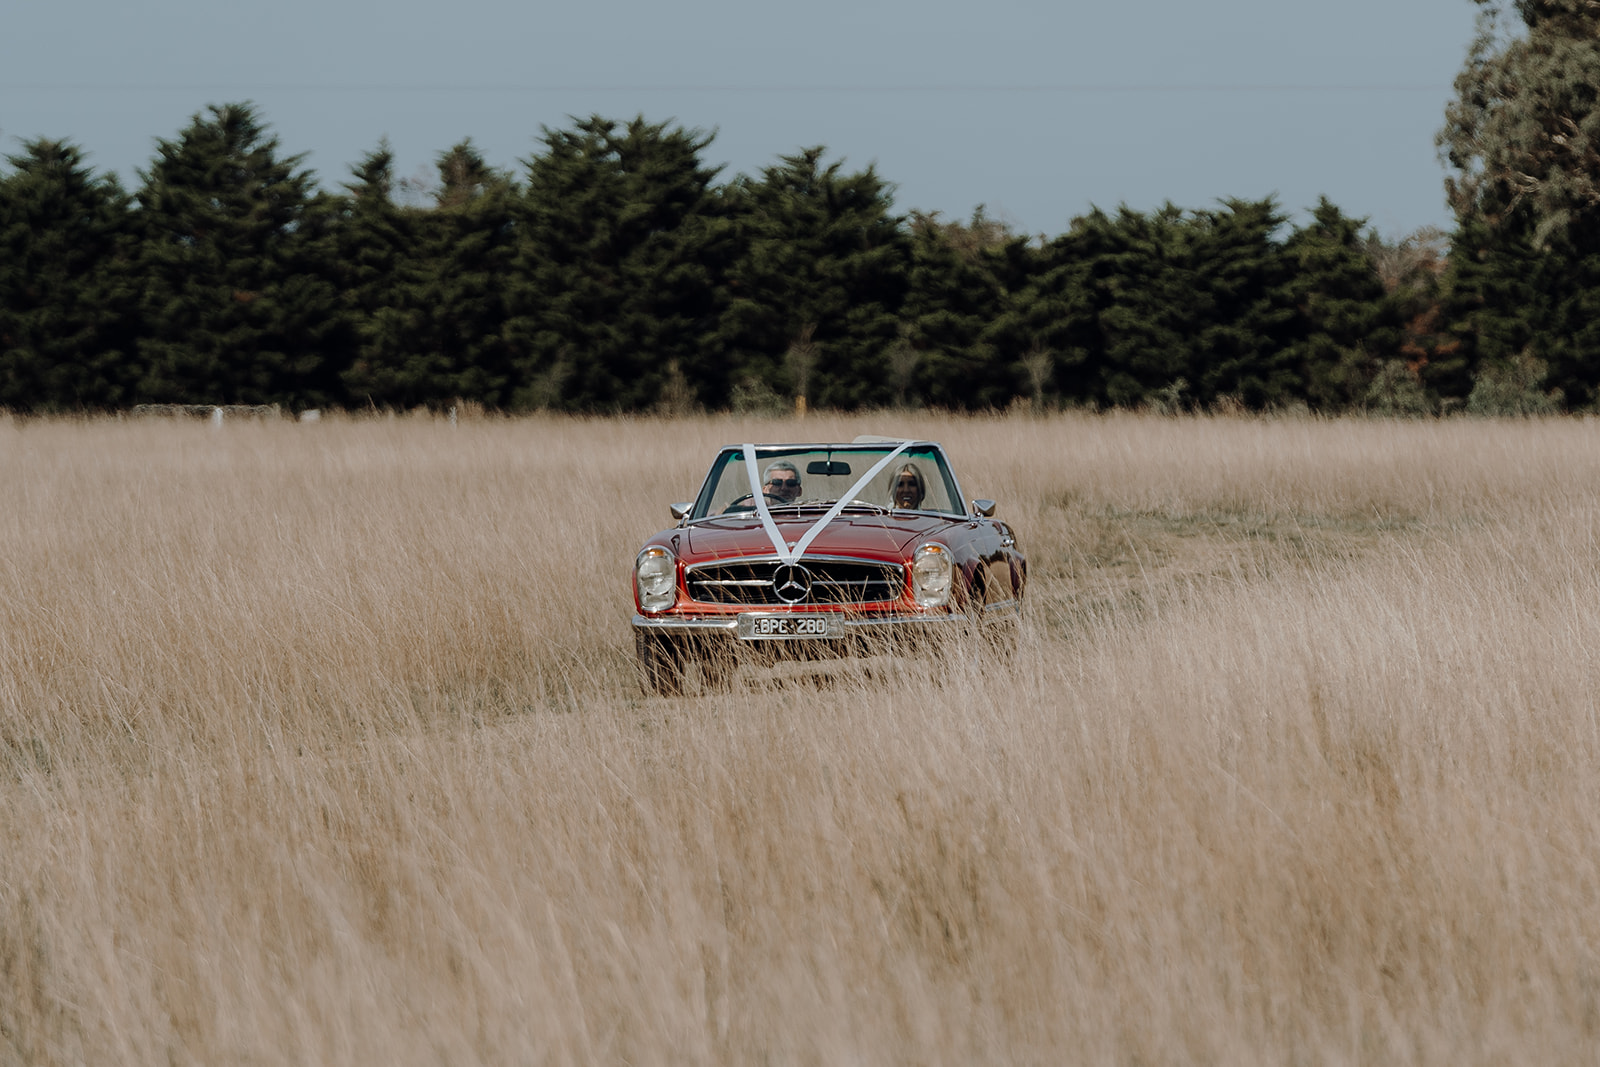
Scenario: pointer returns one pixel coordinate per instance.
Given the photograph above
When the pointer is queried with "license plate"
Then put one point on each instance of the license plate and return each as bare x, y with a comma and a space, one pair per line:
788, 627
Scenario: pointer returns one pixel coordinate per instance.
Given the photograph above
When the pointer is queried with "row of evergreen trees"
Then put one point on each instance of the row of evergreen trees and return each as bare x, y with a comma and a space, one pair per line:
616, 273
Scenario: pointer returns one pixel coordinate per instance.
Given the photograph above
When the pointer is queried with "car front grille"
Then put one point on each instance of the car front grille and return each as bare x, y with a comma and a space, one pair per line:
806, 581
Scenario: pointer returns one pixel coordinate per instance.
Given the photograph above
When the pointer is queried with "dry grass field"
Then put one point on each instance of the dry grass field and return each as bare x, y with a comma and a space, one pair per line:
322, 744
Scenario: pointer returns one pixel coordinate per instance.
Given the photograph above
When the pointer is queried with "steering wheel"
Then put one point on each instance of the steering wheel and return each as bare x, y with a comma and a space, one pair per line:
743, 503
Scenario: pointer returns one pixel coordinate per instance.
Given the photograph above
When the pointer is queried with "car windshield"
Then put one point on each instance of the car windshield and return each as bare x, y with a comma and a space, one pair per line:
915, 479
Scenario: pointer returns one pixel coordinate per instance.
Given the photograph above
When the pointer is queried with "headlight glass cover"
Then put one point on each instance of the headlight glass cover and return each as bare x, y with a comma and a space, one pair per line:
655, 578
932, 575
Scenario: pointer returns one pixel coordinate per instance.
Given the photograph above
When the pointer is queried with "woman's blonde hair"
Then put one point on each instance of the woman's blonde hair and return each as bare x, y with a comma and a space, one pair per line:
922, 483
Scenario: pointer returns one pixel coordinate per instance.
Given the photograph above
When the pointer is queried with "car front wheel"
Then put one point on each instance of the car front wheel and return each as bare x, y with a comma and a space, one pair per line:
660, 664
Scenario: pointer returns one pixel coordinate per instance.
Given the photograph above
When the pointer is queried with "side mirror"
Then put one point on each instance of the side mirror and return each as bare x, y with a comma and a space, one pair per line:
984, 508
681, 511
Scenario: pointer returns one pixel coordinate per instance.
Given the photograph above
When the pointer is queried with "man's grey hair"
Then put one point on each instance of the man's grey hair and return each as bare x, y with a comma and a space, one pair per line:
781, 465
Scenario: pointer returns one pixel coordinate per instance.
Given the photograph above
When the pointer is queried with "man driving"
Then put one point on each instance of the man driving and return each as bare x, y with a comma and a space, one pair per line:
781, 482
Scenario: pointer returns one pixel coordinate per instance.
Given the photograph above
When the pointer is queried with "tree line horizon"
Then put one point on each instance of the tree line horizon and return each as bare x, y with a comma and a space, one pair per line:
614, 273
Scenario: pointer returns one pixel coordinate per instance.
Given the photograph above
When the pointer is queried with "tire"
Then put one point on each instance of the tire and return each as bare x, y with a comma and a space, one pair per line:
1001, 638
716, 668
993, 638
660, 664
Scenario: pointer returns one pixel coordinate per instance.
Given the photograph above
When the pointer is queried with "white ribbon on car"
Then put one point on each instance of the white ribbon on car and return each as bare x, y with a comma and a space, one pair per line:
785, 553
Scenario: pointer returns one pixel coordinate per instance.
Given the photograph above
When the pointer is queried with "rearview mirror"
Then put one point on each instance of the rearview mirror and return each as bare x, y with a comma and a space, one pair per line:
984, 508
828, 469
681, 511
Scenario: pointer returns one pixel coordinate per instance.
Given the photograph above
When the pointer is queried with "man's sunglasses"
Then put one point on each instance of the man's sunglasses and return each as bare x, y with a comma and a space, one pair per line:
785, 483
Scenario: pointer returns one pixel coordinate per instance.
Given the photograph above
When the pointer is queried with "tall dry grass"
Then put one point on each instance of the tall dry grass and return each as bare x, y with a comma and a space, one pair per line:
322, 744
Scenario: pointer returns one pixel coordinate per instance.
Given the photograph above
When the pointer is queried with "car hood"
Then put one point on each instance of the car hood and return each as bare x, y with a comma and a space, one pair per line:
875, 536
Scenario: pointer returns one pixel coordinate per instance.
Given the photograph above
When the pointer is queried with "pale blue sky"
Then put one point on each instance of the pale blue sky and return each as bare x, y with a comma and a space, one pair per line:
1037, 109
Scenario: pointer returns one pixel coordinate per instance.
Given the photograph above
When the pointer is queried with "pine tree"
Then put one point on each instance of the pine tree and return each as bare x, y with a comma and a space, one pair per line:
623, 247
961, 287
1168, 307
376, 263
1052, 326
1346, 321
1571, 351
1244, 327
237, 303
1139, 306
1153, 309
67, 312
823, 259
1508, 298
438, 333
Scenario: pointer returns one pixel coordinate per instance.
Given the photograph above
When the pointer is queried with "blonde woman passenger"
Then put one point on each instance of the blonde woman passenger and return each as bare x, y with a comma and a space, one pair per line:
907, 487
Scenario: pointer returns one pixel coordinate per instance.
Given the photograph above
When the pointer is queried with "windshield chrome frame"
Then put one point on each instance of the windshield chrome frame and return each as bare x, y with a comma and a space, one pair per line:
960, 508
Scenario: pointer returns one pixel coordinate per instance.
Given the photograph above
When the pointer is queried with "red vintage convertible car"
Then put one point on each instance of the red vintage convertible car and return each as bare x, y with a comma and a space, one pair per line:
819, 551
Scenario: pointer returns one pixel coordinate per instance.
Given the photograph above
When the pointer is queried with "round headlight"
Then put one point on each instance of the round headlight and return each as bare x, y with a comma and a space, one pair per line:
655, 579
932, 575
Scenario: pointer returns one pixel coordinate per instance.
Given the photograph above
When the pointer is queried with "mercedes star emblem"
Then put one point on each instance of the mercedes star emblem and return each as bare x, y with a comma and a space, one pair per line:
792, 583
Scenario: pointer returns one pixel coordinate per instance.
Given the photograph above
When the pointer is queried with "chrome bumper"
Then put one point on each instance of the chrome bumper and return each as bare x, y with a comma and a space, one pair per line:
729, 624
